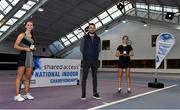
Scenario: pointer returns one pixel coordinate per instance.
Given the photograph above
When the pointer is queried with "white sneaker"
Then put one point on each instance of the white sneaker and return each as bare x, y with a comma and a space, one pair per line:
129, 90
83, 98
18, 98
28, 96
119, 89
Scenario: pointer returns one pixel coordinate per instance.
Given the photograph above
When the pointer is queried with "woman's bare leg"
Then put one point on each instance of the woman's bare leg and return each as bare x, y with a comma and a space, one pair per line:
28, 73
120, 73
20, 73
128, 77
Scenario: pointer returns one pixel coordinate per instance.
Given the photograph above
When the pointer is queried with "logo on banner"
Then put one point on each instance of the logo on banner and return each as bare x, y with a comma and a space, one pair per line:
37, 63
164, 43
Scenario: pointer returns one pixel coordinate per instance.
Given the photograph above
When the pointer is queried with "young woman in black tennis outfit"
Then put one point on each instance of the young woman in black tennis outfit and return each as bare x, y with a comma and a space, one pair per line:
25, 44
124, 52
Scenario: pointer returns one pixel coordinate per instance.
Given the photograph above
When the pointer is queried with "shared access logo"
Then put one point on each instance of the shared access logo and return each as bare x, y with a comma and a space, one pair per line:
37, 63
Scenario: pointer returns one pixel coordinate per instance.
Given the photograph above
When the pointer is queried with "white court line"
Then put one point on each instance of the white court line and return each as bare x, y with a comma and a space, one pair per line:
129, 98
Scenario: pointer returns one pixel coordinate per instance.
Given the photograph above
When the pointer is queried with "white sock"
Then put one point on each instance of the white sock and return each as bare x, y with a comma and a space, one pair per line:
119, 88
129, 89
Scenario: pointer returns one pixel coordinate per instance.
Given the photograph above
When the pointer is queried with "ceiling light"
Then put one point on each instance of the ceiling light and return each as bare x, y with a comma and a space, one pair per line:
41, 9
106, 30
124, 21
144, 22
145, 25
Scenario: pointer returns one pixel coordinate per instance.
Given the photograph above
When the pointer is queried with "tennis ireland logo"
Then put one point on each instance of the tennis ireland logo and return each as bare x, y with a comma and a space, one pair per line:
164, 43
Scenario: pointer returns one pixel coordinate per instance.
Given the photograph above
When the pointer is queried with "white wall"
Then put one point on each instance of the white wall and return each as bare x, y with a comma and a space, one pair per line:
141, 38
7, 47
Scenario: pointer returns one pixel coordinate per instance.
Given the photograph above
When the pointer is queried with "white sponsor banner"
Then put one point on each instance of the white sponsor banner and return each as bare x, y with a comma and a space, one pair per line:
164, 43
55, 72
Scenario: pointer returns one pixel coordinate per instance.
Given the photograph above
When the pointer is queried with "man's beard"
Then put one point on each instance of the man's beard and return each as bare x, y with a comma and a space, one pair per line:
92, 32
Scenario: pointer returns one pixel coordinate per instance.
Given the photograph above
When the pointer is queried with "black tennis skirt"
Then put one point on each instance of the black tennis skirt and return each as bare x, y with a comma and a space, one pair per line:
22, 58
124, 62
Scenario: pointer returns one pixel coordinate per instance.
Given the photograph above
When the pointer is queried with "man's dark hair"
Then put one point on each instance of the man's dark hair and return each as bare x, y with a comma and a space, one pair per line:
92, 24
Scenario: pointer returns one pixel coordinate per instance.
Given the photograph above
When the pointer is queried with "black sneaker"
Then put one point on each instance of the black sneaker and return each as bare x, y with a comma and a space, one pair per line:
128, 91
96, 96
119, 91
83, 97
